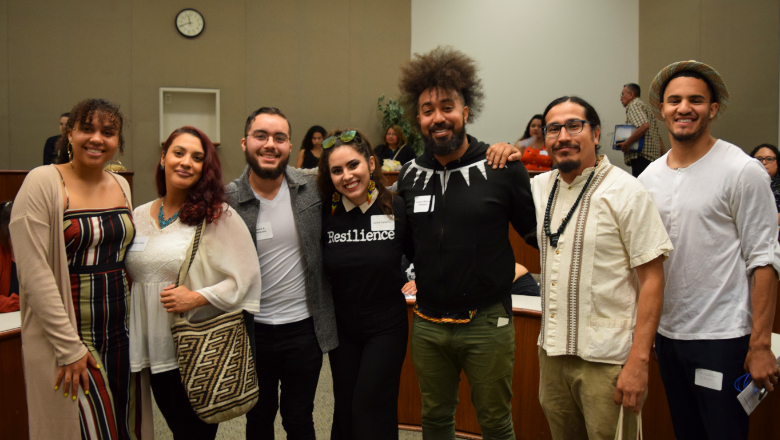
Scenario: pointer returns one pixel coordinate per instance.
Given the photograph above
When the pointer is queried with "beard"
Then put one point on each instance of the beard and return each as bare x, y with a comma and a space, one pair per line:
687, 137
446, 146
567, 166
265, 173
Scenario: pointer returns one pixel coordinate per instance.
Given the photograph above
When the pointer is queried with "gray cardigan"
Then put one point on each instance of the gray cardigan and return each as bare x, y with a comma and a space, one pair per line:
307, 210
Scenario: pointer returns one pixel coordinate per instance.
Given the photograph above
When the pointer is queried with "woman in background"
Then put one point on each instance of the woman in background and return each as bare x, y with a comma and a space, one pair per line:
311, 148
767, 154
224, 276
71, 226
534, 156
366, 280
9, 284
395, 147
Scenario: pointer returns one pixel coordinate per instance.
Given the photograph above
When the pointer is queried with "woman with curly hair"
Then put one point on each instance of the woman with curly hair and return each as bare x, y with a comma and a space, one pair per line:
363, 233
311, 148
71, 226
395, 147
189, 183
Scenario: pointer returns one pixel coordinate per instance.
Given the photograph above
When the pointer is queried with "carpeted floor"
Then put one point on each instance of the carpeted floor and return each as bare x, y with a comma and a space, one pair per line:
323, 416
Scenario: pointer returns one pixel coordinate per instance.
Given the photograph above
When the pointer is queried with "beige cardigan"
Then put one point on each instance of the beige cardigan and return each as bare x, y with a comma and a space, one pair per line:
49, 336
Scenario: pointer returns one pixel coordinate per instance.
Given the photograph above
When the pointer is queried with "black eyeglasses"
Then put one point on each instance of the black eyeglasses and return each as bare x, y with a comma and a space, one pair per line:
343, 137
573, 127
262, 138
768, 159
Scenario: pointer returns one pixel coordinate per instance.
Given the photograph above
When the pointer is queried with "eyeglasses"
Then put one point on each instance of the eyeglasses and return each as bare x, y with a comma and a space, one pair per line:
262, 138
573, 127
768, 159
343, 137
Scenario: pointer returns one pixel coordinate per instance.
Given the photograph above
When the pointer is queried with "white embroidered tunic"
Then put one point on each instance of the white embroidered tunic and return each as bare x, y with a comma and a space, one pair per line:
589, 286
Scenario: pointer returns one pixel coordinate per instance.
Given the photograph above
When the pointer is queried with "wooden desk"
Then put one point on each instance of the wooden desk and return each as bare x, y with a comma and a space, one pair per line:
11, 181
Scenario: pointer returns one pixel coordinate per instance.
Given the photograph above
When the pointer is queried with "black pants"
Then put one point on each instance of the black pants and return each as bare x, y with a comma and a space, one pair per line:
366, 368
176, 408
699, 412
638, 164
288, 354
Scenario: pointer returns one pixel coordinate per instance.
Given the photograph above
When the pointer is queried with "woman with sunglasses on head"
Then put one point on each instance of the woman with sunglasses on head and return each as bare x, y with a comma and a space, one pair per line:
71, 226
364, 236
767, 154
224, 275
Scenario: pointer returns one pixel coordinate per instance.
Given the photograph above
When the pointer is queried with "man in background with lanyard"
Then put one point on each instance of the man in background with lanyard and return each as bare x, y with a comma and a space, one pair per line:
600, 237
721, 280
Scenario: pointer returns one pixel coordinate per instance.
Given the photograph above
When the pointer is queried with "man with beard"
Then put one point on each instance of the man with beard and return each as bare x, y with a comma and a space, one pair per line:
600, 238
296, 323
459, 209
721, 279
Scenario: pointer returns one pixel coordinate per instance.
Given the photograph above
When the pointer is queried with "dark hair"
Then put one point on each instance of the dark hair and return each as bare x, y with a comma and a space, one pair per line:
207, 196
770, 146
5, 219
399, 133
307, 143
634, 88
691, 74
360, 144
527, 132
65, 115
266, 111
442, 68
83, 112
590, 113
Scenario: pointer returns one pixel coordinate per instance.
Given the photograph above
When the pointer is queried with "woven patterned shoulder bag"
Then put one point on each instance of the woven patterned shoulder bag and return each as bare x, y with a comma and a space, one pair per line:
215, 360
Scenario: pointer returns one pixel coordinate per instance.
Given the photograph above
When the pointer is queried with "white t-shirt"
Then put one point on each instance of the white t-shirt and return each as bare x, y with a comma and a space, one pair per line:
721, 217
282, 266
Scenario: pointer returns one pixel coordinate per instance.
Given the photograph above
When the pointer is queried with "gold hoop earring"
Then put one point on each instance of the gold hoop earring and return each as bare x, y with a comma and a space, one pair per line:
70, 154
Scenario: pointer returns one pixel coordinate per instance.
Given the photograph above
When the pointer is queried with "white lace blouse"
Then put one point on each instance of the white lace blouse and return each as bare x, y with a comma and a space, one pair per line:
225, 271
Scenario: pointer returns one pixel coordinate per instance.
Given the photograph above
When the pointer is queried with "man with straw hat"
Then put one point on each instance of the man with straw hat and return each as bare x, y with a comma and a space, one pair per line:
721, 278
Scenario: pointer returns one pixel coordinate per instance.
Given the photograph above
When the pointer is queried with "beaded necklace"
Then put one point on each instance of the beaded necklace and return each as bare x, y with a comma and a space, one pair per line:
554, 237
161, 216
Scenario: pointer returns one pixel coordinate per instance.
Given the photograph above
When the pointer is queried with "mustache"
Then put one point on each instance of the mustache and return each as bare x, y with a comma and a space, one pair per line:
441, 126
566, 144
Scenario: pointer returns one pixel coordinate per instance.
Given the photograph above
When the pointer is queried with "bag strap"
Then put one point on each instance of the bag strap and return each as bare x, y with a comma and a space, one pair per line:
192, 251
619, 432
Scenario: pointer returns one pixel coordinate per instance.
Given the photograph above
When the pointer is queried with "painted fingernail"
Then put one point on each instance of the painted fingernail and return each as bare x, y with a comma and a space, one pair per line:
66, 394
56, 387
98, 366
86, 393
74, 397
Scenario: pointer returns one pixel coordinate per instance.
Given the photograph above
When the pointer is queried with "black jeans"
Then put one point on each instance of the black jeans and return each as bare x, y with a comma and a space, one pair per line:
290, 354
366, 369
176, 408
697, 411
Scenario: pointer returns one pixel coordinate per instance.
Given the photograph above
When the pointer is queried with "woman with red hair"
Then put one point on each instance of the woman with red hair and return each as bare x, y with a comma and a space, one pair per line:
224, 275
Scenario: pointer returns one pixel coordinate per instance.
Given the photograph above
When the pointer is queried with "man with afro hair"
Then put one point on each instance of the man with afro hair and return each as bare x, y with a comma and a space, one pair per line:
459, 209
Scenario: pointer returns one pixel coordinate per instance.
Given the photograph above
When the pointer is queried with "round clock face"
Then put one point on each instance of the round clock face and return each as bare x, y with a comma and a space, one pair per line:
190, 23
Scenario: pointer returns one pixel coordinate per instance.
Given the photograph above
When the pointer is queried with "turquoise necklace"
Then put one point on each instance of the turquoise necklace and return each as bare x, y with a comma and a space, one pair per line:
161, 216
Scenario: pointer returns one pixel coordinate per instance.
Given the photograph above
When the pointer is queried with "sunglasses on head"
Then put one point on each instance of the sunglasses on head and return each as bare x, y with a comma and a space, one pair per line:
347, 136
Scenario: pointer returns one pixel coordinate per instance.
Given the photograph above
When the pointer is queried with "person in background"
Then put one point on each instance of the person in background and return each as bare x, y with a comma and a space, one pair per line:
71, 226
395, 147
639, 115
367, 281
50, 151
9, 284
311, 148
189, 183
534, 156
767, 154
721, 279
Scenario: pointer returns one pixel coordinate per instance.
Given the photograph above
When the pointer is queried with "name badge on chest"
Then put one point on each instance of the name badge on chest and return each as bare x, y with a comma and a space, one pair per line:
382, 223
138, 244
264, 231
424, 204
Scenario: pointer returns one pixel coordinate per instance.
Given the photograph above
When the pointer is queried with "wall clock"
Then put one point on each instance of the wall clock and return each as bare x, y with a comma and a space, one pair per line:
190, 23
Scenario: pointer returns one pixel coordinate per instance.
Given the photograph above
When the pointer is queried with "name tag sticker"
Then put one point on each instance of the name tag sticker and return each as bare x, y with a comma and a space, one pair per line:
264, 231
421, 204
382, 223
543, 153
502, 321
708, 379
138, 244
